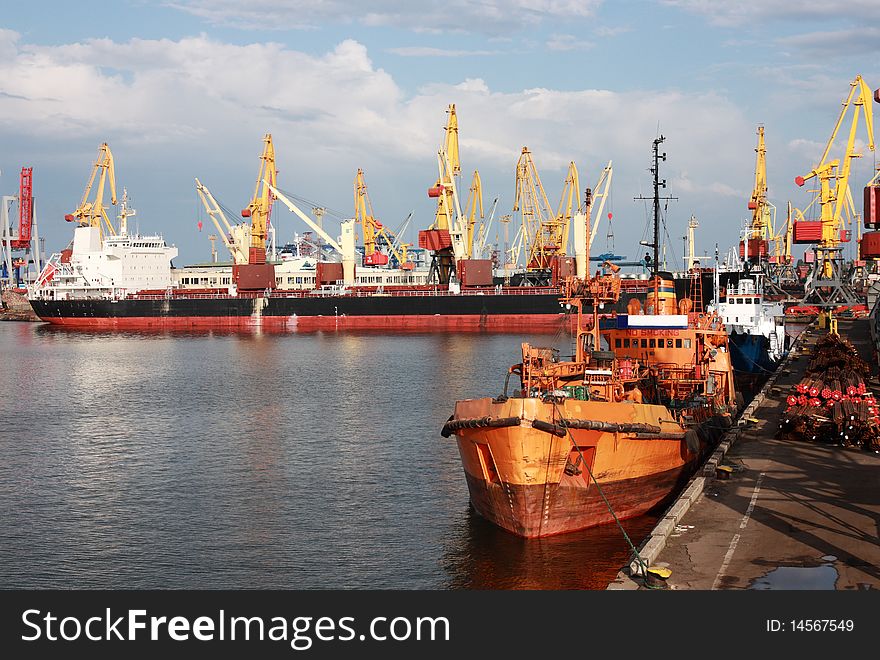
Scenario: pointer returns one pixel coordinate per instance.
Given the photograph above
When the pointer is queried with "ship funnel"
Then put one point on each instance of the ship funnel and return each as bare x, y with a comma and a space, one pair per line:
581, 250
348, 252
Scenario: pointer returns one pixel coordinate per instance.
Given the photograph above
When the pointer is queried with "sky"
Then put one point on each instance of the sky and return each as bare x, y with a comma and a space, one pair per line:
187, 88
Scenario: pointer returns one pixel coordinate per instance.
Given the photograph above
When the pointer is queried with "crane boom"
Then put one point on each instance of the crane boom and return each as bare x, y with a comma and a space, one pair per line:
534, 208
374, 231
603, 187
363, 215
761, 215
93, 213
311, 223
227, 233
260, 206
474, 205
446, 237
833, 175
570, 198
483, 232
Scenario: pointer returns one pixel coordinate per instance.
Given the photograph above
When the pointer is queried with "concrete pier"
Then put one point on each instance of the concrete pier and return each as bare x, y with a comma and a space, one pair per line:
791, 514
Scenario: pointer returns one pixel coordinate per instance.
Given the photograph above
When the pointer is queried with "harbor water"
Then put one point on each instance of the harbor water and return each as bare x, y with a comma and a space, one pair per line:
301, 461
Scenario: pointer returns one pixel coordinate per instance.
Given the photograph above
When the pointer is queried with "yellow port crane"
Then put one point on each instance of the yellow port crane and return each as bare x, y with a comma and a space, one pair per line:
260, 207
531, 202
834, 194
546, 234
761, 225
783, 269
93, 213
474, 205
445, 238
375, 232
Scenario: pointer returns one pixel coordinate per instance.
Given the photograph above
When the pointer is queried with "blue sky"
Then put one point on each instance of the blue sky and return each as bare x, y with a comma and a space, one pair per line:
187, 88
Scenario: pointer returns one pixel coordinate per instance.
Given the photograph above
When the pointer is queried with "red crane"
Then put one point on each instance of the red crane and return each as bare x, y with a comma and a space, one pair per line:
25, 210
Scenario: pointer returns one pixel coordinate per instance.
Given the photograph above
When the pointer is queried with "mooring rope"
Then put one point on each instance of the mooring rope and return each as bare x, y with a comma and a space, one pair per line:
638, 557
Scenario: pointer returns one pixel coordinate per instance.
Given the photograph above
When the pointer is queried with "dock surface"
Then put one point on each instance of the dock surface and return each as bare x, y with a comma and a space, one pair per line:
792, 514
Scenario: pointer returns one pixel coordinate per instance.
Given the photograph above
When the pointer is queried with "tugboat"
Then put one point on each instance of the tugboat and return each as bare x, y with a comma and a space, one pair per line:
642, 400
616, 430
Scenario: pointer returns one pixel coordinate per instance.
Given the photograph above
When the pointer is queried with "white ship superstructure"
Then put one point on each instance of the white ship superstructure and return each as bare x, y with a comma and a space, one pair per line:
746, 312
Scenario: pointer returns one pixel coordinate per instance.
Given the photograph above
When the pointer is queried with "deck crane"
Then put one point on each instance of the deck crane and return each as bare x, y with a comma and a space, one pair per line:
601, 191
483, 232
401, 249
474, 205
93, 213
345, 246
446, 237
237, 238
826, 287
375, 233
753, 247
569, 205
260, 207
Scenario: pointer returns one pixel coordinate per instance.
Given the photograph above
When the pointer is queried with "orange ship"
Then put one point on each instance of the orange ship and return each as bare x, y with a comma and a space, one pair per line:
645, 395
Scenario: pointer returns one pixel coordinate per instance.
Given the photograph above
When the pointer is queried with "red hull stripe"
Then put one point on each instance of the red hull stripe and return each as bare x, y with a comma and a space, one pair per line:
467, 322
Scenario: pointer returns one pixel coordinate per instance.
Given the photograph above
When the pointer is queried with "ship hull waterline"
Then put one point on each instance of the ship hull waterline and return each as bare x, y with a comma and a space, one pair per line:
517, 476
513, 312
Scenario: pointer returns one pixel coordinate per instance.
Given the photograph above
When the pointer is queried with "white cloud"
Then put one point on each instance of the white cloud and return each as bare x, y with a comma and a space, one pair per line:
197, 104
566, 42
609, 31
489, 16
426, 51
746, 11
681, 182
836, 42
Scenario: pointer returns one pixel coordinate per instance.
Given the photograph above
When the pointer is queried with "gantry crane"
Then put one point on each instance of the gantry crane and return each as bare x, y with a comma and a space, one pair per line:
260, 207
827, 286
446, 237
375, 233
93, 213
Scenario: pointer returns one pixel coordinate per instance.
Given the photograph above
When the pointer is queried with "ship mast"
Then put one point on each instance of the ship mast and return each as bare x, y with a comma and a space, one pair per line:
655, 171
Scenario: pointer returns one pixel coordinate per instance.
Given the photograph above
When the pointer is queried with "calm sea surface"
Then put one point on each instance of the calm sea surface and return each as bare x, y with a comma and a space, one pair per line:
259, 461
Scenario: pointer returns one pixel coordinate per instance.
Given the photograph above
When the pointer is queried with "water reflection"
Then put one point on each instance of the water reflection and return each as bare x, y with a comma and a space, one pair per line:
483, 556
234, 460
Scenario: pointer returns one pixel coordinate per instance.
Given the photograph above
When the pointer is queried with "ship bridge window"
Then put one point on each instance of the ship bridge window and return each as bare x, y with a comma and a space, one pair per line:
618, 343
678, 343
687, 343
652, 343
644, 343
626, 343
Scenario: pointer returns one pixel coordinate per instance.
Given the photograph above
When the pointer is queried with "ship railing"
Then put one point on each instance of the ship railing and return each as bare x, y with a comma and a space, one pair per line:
312, 293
